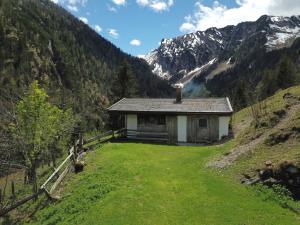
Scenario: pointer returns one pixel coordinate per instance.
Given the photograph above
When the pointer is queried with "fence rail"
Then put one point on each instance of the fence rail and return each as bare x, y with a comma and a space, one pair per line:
55, 178
61, 176
19, 203
12, 164
97, 137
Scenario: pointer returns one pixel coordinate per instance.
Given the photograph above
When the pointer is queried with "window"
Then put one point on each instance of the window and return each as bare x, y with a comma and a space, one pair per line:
161, 120
151, 120
203, 123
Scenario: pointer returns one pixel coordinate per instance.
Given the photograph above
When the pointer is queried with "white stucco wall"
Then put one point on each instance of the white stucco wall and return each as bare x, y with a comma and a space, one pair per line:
131, 124
182, 128
223, 126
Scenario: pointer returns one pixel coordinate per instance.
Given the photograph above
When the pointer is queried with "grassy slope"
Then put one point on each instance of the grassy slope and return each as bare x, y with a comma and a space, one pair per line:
288, 150
153, 184
272, 104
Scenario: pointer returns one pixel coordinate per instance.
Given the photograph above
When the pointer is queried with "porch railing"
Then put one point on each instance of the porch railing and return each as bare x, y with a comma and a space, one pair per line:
147, 135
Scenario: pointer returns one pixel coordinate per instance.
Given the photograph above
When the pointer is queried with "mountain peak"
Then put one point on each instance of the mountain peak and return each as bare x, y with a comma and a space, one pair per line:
177, 57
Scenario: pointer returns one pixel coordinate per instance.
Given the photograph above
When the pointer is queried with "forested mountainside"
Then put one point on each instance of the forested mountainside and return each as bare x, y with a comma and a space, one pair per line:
258, 76
41, 41
232, 60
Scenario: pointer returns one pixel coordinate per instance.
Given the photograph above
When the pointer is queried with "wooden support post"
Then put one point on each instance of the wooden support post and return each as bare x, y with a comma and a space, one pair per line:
1, 198
80, 144
46, 192
75, 153
13, 194
25, 177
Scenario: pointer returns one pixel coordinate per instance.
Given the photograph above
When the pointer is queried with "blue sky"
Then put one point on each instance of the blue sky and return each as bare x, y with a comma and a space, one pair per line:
137, 26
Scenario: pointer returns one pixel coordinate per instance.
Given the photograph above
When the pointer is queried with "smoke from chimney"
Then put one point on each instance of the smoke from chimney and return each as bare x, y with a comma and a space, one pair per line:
179, 88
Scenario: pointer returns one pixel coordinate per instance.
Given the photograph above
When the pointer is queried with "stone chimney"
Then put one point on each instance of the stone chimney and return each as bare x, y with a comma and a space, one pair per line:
179, 88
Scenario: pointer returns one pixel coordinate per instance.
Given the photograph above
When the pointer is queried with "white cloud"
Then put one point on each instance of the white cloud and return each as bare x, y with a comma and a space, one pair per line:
188, 25
141, 56
75, 2
83, 19
219, 15
156, 5
113, 32
142, 2
72, 8
98, 28
119, 2
71, 2
136, 42
111, 8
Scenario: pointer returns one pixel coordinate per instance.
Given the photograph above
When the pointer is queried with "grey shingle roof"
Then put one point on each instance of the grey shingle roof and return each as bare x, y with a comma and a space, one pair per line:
188, 105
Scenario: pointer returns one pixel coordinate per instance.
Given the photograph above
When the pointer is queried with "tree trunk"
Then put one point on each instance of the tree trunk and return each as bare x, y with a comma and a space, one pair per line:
32, 179
53, 160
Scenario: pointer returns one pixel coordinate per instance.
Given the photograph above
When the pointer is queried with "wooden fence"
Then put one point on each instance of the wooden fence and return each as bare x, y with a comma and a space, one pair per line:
50, 185
55, 178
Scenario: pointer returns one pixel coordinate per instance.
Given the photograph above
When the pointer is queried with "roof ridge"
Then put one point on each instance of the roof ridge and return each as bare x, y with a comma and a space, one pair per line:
174, 98
167, 105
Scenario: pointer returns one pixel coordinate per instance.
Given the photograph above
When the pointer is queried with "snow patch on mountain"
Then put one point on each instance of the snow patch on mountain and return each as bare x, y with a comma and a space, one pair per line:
152, 59
196, 72
281, 36
183, 57
228, 61
159, 71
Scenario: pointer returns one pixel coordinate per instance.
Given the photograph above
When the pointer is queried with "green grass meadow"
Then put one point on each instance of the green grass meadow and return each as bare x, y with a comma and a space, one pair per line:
141, 184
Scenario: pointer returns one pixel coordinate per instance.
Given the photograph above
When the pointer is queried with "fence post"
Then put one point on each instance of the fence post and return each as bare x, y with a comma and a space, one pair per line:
80, 141
13, 189
25, 177
75, 153
1, 198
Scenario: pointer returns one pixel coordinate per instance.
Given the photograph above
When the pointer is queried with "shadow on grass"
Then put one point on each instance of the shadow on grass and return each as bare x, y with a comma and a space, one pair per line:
25, 212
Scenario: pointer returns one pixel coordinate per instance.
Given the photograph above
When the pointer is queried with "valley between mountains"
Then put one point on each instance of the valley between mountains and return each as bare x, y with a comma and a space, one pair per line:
60, 77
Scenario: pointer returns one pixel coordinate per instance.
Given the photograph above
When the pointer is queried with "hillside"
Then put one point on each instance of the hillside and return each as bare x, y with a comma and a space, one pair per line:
41, 41
267, 136
124, 181
228, 60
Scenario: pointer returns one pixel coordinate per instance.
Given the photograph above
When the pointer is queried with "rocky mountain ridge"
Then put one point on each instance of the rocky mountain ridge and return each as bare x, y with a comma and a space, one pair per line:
182, 58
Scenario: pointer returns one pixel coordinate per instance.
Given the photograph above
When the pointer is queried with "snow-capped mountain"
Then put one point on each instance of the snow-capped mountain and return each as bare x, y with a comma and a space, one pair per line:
182, 58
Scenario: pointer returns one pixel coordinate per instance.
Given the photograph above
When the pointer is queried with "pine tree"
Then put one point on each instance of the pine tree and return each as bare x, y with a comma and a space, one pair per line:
268, 84
286, 76
241, 94
124, 84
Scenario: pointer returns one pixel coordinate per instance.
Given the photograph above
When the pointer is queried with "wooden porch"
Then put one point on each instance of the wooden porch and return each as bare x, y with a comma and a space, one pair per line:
147, 135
